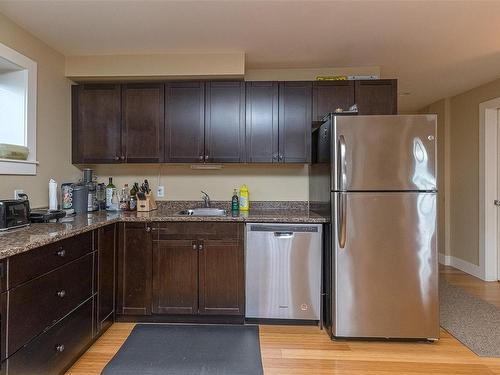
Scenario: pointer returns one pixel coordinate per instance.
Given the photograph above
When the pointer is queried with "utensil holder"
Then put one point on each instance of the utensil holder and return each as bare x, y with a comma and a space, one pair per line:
146, 205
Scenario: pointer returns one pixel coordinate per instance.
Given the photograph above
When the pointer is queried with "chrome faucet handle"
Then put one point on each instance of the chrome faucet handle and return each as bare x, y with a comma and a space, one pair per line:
206, 199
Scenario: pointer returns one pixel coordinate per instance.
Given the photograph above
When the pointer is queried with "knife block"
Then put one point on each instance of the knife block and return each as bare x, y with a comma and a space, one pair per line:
147, 204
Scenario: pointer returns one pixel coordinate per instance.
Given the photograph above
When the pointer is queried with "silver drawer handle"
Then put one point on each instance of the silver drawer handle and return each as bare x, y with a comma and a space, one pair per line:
61, 253
283, 234
60, 348
61, 293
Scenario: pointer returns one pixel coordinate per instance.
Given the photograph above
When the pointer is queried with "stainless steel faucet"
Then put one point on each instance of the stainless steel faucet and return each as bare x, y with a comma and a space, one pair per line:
206, 199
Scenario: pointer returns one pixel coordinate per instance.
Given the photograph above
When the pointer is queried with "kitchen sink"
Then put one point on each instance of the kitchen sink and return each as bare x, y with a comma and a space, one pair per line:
202, 212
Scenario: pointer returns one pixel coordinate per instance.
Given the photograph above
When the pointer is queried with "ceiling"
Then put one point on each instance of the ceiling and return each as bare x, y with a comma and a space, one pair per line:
436, 49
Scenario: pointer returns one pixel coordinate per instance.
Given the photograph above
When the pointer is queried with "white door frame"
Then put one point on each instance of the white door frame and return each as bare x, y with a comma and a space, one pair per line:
488, 184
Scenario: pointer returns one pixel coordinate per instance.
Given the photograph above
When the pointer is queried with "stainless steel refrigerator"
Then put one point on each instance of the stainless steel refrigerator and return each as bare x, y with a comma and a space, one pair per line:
375, 176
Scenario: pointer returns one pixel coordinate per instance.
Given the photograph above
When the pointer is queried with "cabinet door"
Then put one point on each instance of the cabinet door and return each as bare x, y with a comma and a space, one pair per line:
134, 269
175, 277
222, 289
96, 124
225, 122
330, 95
143, 122
377, 97
295, 102
106, 276
262, 122
184, 122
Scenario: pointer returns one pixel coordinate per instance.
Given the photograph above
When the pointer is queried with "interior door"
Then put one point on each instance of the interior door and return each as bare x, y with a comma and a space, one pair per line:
386, 267
380, 153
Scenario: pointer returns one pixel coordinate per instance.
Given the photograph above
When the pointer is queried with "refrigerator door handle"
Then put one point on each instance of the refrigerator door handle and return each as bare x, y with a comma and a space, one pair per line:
342, 163
342, 216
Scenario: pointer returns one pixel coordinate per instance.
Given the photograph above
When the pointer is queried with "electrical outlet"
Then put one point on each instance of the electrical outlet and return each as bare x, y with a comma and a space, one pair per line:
17, 192
160, 191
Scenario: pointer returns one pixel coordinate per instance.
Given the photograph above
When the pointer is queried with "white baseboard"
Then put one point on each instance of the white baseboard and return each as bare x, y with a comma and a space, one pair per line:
444, 259
462, 265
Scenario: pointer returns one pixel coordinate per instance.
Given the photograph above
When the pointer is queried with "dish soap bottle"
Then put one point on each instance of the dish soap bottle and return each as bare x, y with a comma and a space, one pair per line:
244, 202
235, 204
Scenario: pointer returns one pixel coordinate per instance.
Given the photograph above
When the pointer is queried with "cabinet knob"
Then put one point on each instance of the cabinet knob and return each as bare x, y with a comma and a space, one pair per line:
200, 247
148, 229
61, 293
60, 348
201, 157
206, 157
280, 158
61, 253
117, 158
275, 157
122, 157
194, 246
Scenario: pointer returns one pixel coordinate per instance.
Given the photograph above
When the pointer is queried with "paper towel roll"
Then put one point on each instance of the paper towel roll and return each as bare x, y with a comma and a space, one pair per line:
52, 194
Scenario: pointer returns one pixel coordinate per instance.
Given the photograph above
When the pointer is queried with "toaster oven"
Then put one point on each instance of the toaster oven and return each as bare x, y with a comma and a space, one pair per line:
14, 213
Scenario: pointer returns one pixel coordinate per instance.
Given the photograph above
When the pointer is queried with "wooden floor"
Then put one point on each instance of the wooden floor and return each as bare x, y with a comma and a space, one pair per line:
307, 350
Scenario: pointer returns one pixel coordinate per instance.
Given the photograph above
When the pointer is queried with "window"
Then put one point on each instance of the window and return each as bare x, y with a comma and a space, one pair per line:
18, 76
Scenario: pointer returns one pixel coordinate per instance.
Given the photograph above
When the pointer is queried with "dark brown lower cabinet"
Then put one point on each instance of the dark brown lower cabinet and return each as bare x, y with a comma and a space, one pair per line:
198, 269
56, 349
221, 273
134, 269
106, 276
175, 277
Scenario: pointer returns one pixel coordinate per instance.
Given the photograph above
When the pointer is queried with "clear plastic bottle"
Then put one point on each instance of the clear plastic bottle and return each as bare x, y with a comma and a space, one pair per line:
125, 199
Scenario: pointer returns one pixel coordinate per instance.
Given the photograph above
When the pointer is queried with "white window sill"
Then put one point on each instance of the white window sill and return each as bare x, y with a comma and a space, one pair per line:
18, 167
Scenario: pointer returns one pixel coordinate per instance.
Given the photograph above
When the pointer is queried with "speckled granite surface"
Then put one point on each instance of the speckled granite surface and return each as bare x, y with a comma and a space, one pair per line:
20, 240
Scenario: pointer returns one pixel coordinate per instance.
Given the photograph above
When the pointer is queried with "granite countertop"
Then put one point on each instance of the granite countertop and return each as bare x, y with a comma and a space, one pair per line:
17, 241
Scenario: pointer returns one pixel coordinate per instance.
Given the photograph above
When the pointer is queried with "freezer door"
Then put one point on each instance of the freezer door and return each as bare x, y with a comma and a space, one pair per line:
379, 153
386, 268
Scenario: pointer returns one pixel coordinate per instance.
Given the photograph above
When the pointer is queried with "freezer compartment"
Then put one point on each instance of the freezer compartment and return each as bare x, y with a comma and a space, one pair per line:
283, 271
384, 153
385, 265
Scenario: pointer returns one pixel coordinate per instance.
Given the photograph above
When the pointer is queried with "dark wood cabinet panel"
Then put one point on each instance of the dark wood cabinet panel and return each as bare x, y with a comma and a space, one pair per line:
225, 122
29, 265
143, 122
96, 123
295, 102
55, 350
221, 278
134, 269
331, 95
175, 277
262, 122
377, 97
36, 305
184, 122
106, 275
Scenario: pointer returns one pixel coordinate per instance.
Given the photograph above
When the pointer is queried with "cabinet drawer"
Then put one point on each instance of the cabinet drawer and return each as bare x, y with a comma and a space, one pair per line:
38, 304
34, 263
55, 350
203, 230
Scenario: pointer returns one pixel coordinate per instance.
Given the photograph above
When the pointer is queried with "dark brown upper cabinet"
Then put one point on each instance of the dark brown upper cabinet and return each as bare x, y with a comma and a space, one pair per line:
143, 122
225, 122
184, 122
295, 118
262, 122
96, 124
377, 97
329, 96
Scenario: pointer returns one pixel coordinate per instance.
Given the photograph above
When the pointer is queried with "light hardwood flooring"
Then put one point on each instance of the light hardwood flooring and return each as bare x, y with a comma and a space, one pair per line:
307, 350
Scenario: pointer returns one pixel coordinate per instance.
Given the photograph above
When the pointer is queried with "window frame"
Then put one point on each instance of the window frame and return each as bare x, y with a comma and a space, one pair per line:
29, 166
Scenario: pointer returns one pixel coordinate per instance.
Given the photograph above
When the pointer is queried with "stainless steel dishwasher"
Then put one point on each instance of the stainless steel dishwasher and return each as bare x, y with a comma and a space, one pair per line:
283, 271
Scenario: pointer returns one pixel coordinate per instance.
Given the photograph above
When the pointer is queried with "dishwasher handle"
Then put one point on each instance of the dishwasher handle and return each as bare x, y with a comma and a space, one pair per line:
283, 234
